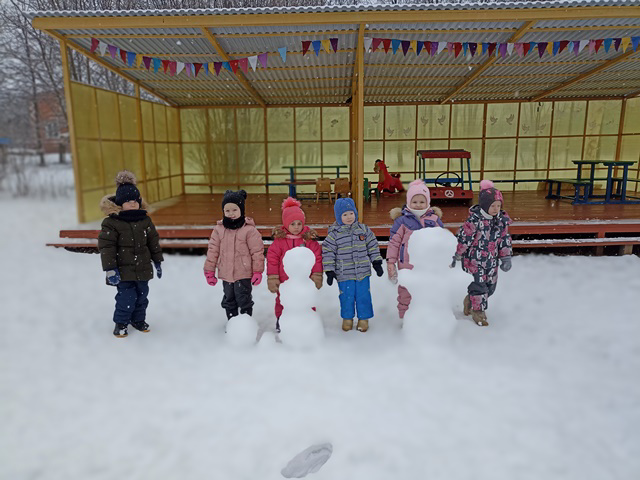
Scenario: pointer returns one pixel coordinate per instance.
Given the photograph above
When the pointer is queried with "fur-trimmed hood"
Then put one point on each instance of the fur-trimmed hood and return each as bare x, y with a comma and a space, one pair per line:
306, 234
398, 212
109, 207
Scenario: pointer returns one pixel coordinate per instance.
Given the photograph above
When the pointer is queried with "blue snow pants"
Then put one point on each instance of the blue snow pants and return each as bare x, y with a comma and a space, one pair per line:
355, 295
131, 302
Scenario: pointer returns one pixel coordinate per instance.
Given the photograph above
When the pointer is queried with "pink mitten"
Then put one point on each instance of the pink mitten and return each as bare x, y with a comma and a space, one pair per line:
211, 278
256, 279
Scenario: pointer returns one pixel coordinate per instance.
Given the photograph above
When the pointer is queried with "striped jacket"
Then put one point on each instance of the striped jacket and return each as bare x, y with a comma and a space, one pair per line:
349, 250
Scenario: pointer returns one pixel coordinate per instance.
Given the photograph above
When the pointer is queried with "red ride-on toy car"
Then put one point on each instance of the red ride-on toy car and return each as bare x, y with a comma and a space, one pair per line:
448, 185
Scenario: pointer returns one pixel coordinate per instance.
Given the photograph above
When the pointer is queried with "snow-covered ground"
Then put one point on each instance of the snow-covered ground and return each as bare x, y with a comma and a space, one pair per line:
549, 391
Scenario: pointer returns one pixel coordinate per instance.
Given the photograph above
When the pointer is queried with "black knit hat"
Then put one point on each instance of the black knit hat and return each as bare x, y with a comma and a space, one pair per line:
488, 194
127, 189
236, 198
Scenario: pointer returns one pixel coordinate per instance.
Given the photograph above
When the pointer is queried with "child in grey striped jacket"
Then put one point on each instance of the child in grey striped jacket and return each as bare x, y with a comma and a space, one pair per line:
347, 255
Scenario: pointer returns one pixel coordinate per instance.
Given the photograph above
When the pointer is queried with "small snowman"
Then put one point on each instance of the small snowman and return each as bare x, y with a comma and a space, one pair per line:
301, 326
431, 283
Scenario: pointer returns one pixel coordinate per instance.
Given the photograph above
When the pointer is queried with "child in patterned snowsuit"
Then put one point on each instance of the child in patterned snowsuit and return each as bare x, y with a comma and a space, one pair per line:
347, 255
483, 243
415, 215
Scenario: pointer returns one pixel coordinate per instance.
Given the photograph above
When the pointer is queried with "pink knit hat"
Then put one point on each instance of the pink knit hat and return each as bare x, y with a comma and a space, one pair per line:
489, 194
418, 187
291, 212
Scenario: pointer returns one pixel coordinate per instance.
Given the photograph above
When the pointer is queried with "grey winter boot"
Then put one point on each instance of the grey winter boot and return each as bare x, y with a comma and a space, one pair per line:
480, 318
347, 324
467, 305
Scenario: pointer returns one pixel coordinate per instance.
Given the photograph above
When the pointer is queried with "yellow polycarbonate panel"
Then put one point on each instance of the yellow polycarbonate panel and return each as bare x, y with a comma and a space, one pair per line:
308, 154
162, 159
148, 130
253, 189
197, 189
173, 127
152, 191
603, 117
533, 153
160, 122
630, 148
373, 123
466, 121
112, 160
91, 204
131, 157
499, 154
632, 116
335, 123
222, 125
250, 124
108, 115
280, 124
175, 167
151, 169
251, 158
433, 121
307, 123
84, 111
337, 153
539, 175
280, 154
502, 119
176, 186
372, 152
472, 146
89, 164
193, 124
400, 156
535, 119
434, 165
196, 158
563, 151
128, 117
224, 163
400, 122
164, 189
600, 148
568, 118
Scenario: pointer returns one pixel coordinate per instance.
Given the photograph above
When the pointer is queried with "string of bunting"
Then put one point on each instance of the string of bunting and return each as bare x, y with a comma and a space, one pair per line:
500, 49
174, 68
328, 45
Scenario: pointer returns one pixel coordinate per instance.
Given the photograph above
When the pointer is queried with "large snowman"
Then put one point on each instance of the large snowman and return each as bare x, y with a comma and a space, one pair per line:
301, 326
431, 284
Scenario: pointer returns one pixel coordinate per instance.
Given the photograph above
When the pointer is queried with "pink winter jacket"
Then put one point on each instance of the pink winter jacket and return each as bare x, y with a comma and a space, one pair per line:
404, 224
237, 254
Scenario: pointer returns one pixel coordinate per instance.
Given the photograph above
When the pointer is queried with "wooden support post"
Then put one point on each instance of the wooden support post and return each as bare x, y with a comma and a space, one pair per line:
64, 52
360, 125
143, 171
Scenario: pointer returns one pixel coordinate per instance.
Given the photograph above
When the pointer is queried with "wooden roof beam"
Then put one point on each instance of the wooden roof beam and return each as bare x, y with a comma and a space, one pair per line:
487, 63
581, 77
239, 75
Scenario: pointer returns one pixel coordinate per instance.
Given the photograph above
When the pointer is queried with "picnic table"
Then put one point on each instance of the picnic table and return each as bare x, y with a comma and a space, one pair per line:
292, 175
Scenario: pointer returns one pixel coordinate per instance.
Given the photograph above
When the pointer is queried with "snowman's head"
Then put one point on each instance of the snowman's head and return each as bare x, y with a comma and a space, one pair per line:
298, 262
431, 249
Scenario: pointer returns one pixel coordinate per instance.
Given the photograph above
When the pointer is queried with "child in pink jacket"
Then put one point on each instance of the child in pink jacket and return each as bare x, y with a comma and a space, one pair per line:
237, 251
415, 215
293, 233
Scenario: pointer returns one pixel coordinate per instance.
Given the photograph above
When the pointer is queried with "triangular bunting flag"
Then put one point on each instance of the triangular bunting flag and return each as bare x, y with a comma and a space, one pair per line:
138, 60
147, 62
206, 68
283, 55
187, 69
244, 64
253, 62
607, 44
234, 65
123, 56
94, 45
376, 43
262, 58
386, 43
156, 65
465, 49
510, 47
131, 59
420, 46
525, 49
179, 67
583, 43
317, 44
532, 46
599, 44
217, 66
172, 68
502, 50
485, 47
367, 43
334, 44
563, 45
113, 51
492, 48
550, 48
440, 46
592, 47
413, 45
196, 68
616, 43
405, 46
326, 45
556, 48
635, 41
395, 44
165, 65
450, 48
457, 48
542, 46
305, 46
227, 66
473, 48
519, 49
625, 42
103, 48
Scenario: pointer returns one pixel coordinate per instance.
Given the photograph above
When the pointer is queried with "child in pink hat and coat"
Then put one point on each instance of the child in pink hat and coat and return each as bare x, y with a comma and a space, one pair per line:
293, 233
415, 215
236, 251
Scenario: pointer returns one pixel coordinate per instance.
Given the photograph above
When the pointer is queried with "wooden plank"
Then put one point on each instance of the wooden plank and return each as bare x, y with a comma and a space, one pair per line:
359, 177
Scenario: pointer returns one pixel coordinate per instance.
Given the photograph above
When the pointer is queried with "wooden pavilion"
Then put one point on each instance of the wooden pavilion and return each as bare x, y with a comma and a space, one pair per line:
244, 95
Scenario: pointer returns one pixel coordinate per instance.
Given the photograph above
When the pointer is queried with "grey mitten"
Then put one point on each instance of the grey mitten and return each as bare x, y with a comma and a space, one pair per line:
505, 264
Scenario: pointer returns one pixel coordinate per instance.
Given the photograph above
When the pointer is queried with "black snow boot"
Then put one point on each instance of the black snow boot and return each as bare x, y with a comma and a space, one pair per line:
141, 326
120, 330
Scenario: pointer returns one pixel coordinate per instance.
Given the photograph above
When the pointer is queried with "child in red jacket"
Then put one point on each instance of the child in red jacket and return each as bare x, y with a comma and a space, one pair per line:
293, 233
